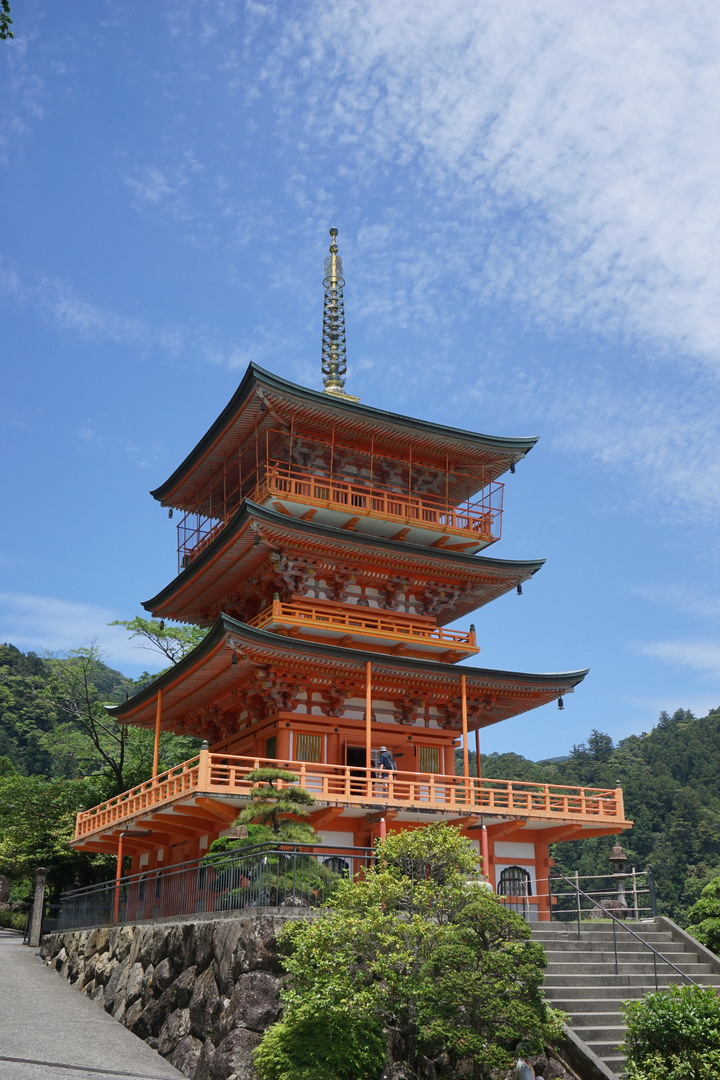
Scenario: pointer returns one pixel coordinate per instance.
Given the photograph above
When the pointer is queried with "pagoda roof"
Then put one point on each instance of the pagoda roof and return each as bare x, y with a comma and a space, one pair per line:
207, 680
264, 397
245, 543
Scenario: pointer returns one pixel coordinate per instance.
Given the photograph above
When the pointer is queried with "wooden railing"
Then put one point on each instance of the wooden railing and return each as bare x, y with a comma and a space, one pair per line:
426, 510
224, 775
364, 622
482, 518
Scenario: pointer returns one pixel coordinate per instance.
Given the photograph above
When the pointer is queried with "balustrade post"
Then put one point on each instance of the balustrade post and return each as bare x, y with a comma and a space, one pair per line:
203, 781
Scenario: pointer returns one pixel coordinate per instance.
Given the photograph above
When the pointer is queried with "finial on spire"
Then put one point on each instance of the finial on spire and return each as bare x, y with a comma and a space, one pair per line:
334, 346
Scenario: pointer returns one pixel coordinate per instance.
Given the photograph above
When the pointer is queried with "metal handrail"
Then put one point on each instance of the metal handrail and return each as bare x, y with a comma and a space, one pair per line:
260, 875
615, 923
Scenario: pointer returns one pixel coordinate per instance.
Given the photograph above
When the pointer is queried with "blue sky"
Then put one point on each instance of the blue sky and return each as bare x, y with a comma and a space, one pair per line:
527, 202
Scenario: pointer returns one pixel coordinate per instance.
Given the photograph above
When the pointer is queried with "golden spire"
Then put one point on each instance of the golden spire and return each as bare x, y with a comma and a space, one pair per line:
334, 346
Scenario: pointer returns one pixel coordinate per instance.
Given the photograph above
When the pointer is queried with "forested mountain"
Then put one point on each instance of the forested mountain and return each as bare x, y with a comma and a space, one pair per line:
61, 752
670, 781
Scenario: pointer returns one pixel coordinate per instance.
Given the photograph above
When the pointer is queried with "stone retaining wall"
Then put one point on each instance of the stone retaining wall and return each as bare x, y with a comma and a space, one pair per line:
201, 993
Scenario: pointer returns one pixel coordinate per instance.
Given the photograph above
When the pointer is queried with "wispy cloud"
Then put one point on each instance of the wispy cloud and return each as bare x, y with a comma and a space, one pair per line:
48, 624
681, 598
700, 656
63, 308
577, 141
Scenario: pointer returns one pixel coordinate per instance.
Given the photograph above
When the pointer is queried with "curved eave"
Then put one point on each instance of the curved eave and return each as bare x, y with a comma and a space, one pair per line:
208, 671
192, 580
257, 385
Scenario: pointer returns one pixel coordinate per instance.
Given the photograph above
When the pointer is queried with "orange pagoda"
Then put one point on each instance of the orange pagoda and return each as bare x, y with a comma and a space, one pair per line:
326, 545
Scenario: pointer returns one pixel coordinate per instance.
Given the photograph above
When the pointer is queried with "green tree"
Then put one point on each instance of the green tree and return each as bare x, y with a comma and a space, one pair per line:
5, 21
86, 738
37, 823
172, 641
415, 952
674, 1034
704, 916
277, 806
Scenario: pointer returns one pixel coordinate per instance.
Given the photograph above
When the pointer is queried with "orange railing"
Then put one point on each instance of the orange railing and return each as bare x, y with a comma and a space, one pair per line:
225, 775
363, 622
482, 517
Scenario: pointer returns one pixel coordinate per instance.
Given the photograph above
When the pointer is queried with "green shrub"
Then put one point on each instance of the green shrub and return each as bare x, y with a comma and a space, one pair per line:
704, 916
676, 1030
14, 920
658, 1067
332, 1044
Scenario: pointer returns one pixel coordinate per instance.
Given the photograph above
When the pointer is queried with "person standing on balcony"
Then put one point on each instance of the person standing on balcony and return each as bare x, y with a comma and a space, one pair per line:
386, 764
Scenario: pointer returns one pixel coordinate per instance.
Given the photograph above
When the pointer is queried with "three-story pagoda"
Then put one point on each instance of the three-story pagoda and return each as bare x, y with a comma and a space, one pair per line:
326, 545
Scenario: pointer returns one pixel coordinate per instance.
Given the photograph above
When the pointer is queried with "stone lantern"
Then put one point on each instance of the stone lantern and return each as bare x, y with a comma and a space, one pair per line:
618, 860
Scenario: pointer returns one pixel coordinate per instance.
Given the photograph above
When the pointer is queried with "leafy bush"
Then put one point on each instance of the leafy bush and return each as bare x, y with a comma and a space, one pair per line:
704, 916
676, 1030
658, 1067
14, 920
332, 1044
414, 949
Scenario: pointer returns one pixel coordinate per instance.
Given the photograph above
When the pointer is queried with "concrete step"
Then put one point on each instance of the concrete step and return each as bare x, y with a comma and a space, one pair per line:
590, 974
554, 947
614, 1033
631, 967
584, 978
604, 1050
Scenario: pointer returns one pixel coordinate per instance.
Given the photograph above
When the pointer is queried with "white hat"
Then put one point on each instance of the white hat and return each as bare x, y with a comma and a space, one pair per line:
384, 748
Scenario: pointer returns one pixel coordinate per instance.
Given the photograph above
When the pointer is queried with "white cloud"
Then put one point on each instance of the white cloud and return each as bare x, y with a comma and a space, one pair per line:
577, 143
49, 624
59, 304
681, 598
700, 656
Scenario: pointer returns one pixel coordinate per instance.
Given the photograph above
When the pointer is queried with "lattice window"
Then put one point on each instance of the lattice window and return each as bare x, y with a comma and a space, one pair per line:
308, 747
514, 881
429, 758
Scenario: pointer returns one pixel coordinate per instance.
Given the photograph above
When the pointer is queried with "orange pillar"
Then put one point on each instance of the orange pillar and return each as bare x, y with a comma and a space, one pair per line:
368, 724
477, 753
485, 851
118, 876
466, 758
158, 718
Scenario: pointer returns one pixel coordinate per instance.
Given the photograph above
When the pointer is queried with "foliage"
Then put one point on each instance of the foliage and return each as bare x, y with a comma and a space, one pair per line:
704, 916
669, 780
37, 823
290, 832
173, 642
334, 1045
54, 726
5, 21
431, 958
271, 804
14, 920
678, 1029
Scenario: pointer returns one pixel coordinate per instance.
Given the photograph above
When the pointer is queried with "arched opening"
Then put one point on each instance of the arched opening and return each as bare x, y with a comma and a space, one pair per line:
514, 881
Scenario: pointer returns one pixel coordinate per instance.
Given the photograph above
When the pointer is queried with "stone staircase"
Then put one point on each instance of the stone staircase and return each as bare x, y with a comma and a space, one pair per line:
581, 977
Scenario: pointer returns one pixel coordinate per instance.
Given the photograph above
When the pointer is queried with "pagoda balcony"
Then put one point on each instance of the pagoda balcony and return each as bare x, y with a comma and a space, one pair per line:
428, 519
223, 777
420, 518
367, 628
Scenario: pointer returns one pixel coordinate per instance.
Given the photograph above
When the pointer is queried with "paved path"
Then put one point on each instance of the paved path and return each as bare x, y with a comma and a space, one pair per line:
50, 1031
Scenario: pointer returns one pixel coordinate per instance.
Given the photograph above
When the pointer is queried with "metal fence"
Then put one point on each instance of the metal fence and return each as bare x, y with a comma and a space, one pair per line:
298, 875
580, 897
